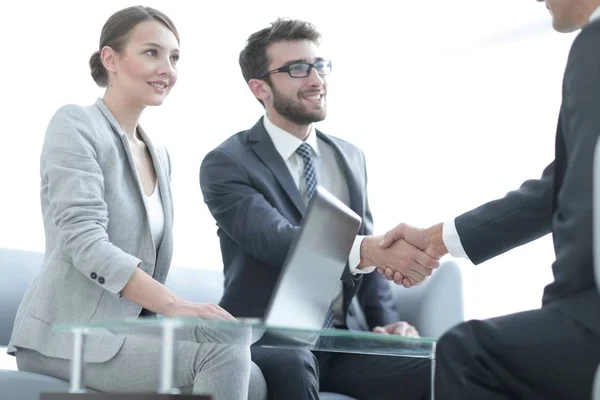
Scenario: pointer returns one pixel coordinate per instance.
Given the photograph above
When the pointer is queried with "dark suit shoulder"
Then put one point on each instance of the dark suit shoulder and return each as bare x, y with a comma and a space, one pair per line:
581, 83
233, 142
344, 144
244, 140
585, 44
224, 161
590, 30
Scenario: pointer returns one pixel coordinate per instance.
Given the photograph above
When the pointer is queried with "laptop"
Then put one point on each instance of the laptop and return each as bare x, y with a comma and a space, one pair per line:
312, 269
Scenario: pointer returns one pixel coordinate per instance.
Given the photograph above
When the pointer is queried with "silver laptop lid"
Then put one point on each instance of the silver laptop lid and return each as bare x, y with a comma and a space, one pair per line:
314, 264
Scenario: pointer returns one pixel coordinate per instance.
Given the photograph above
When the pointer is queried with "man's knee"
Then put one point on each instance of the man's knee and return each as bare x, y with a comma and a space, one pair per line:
289, 374
295, 363
455, 341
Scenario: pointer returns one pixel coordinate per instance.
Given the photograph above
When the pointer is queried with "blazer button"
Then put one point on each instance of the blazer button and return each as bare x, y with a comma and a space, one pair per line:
93, 275
101, 280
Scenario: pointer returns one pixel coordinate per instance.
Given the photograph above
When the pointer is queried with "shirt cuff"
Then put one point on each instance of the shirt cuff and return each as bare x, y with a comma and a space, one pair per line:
452, 240
354, 258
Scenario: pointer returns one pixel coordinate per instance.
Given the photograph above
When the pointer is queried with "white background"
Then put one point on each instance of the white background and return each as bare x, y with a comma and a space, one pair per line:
454, 104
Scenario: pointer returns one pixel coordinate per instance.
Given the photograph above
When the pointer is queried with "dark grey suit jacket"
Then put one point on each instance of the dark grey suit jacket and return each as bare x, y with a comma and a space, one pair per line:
561, 201
258, 209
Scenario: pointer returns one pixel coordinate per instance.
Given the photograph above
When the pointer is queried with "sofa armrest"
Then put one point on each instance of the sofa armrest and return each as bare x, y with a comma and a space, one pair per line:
436, 305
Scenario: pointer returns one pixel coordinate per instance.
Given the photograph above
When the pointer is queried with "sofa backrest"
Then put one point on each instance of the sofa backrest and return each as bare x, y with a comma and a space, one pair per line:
432, 307
195, 284
17, 269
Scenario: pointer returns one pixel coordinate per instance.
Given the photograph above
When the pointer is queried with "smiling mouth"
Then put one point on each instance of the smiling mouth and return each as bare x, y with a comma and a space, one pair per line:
315, 98
158, 85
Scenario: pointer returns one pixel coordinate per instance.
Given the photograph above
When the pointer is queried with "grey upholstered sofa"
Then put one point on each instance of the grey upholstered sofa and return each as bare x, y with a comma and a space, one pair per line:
432, 308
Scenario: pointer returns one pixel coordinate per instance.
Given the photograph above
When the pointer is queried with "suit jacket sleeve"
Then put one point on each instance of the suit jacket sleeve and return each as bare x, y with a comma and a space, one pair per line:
526, 214
376, 301
519, 217
75, 185
366, 227
242, 212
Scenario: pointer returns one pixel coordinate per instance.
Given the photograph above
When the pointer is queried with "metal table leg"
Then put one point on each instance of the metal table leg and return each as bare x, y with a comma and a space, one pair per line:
76, 378
167, 358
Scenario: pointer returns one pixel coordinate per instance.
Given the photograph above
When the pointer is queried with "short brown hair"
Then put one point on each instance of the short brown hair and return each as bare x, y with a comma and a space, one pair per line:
253, 58
116, 32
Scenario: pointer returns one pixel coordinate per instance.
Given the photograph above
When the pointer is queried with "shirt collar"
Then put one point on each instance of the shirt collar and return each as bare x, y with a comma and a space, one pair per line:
595, 15
285, 143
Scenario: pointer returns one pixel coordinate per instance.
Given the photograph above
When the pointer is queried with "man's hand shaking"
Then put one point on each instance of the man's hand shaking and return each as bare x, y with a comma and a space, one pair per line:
408, 255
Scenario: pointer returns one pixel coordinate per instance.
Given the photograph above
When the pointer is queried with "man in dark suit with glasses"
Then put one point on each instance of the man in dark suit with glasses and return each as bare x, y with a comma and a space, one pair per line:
257, 185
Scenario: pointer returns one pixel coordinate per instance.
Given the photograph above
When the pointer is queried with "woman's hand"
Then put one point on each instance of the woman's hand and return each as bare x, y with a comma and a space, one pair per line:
201, 310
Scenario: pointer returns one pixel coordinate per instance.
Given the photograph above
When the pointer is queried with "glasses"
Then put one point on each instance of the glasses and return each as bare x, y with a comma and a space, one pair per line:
302, 70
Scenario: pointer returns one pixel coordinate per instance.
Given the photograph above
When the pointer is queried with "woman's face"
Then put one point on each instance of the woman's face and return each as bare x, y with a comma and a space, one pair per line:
146, 69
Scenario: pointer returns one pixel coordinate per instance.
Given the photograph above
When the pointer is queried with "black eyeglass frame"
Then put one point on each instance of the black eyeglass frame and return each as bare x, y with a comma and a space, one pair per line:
286, 68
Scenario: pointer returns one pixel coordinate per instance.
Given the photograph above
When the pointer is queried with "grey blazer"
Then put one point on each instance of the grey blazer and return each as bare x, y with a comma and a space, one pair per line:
97, 232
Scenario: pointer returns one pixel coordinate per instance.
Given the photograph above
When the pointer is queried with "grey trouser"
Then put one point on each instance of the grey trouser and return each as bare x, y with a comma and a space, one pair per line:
223, 371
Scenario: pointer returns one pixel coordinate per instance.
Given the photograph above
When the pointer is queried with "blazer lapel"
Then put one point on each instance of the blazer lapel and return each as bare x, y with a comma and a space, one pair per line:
263, 147
350, 172
163, 256
123, 137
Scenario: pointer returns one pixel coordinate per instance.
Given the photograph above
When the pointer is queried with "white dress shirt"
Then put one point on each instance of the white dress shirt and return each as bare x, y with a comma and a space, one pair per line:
595, 15
330, 175
156, 215
449, 234
155, 209
452, 240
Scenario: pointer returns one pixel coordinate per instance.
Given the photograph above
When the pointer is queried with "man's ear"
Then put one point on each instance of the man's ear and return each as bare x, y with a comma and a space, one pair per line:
260, 89
109, 59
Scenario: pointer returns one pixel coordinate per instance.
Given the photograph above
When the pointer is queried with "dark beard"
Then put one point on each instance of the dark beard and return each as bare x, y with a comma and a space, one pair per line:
293, 110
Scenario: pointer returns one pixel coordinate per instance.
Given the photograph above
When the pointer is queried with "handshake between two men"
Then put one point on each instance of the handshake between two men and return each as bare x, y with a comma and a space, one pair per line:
406, 255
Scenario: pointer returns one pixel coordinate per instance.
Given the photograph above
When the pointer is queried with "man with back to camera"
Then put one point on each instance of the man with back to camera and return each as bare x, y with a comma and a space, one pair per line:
552, 352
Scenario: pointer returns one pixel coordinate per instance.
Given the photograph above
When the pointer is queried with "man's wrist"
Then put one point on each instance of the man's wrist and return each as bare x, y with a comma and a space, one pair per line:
366, 251
436, 240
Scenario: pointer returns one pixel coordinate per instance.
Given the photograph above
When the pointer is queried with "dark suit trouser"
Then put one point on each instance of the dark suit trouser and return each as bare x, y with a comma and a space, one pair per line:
533, 355
370, 377
294, 374
289, 374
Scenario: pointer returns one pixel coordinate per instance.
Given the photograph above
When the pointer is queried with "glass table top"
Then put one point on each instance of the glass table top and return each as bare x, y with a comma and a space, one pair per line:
257, 333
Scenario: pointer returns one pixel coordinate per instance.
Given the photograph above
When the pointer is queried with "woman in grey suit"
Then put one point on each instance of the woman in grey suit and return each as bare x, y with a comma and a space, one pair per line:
108, 215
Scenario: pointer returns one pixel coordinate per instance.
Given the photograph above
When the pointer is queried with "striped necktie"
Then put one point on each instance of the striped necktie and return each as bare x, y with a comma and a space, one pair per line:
310, 178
